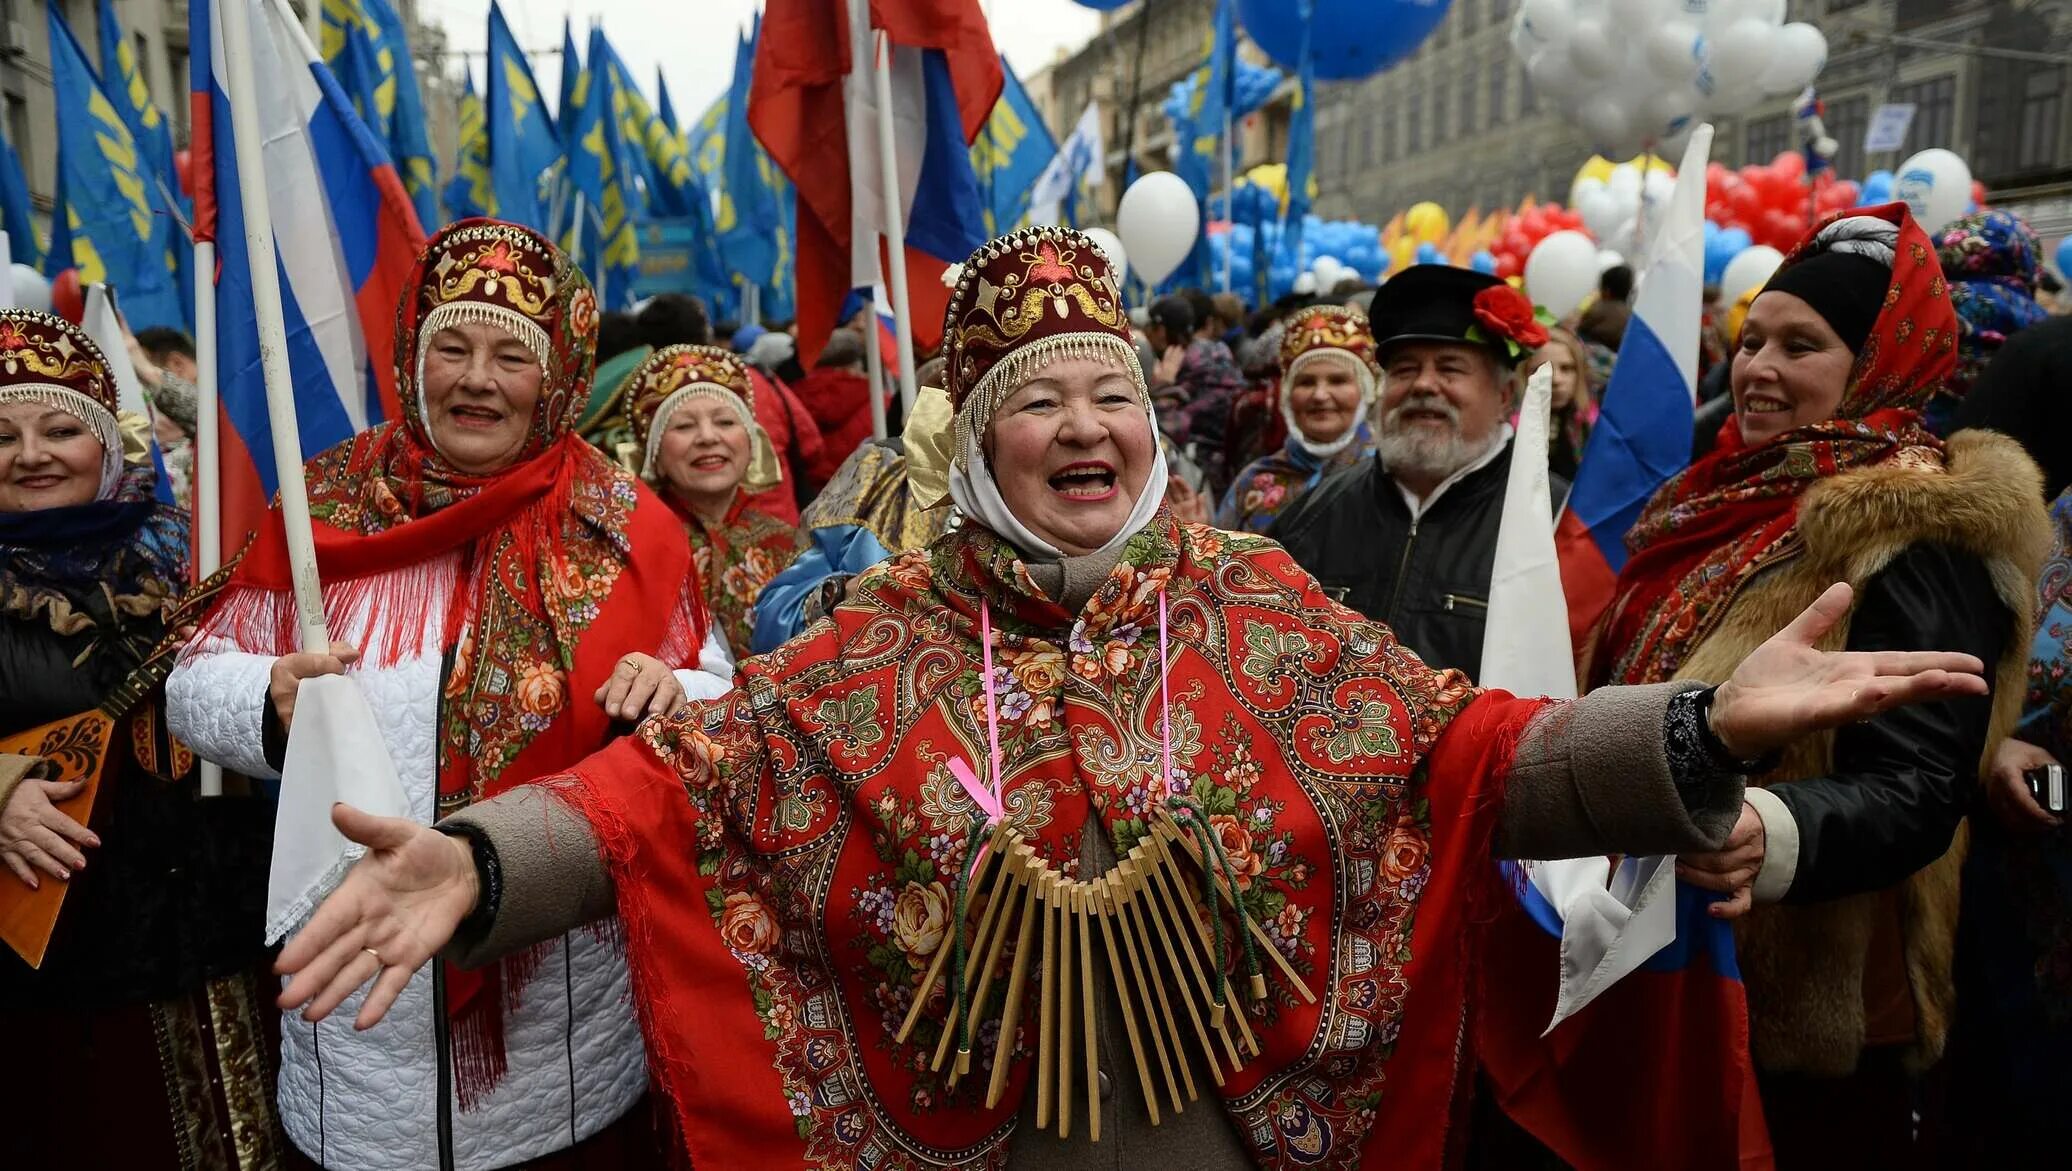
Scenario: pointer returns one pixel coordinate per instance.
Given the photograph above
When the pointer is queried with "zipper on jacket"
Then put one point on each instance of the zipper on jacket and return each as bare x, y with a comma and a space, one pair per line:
1455, 602
1402, 567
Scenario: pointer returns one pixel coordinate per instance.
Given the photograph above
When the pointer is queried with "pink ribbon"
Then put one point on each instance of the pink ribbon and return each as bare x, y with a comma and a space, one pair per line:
987, 799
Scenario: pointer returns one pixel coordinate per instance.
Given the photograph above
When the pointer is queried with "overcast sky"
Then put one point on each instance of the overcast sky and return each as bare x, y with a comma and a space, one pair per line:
693, 40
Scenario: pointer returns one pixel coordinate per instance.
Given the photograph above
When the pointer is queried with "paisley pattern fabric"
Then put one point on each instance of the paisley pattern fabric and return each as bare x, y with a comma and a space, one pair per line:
2040, 866
736, 559
783, 858
1729, 515
1994, 263
1270, 486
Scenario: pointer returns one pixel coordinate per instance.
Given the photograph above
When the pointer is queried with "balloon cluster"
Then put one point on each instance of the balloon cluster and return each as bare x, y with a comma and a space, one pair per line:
1770, 203
1524, 233
1253, 85
1617, 202
1634, 73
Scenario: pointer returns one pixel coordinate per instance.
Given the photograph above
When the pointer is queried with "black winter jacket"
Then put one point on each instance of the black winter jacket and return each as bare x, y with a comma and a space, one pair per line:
1427, 579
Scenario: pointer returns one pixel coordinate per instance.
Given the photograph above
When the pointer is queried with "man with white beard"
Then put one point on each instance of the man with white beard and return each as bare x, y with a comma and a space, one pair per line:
1409, 537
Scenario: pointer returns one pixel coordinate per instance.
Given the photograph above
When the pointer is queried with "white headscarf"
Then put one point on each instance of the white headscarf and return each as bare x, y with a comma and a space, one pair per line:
1362, 374
977, 495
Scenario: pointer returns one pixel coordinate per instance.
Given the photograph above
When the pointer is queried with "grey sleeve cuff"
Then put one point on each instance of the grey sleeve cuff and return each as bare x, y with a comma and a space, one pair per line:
553, 876
1780, 845
1592, 776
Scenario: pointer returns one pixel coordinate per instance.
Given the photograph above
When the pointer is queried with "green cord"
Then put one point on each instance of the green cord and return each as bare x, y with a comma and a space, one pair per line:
1212, 848
957, 947
1212, 895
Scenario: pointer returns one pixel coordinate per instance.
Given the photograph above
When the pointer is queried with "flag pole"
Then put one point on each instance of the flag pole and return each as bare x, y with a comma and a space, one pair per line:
895, 229
874, 365
273, 330
1229, 188
208, 472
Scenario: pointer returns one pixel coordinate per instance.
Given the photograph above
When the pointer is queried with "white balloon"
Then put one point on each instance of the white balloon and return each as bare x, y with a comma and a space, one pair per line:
31, 289
1721, 15
1590, 50
1157, 222
1548, 21
1936, 186
1750, 269
1550, 74
1739, 54
1326, 263
1305, 283
1607, 260
1118, 256
1798, 52
1605, 122
1561, 271
1660, 185
1625, 180
1582, 189
1672, 51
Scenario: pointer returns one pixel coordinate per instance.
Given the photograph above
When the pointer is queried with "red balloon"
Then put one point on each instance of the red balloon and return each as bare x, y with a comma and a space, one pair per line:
183, 170
1789, 163
1509, 266
68, 297
1978, 193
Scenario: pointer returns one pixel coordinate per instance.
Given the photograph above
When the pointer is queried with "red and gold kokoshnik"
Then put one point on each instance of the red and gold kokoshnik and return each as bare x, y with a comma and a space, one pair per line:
48, 360
487, 272
675, 369
1328, 329
1023, 301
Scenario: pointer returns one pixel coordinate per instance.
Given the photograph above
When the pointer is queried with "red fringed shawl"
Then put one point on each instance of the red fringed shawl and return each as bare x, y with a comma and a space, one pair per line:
783, 858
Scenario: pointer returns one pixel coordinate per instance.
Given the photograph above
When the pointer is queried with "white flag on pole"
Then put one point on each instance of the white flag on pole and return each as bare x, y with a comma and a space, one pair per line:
1080, 157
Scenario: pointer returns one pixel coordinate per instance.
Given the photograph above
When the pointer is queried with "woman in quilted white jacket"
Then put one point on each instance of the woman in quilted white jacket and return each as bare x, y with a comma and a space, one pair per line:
508, 600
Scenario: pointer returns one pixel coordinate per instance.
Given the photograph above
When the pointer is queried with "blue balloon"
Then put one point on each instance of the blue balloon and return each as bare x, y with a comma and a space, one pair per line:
1430, 254
1877, 188
2065, 255
1103, 5
1352, 38
1483, 261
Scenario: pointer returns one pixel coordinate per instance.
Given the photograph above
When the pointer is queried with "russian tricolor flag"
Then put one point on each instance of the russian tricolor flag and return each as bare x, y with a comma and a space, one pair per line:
345, 234
1611, 1023
813, 105
1643, 431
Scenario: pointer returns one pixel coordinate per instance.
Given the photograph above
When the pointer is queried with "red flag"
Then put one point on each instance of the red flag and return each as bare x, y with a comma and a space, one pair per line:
797, 109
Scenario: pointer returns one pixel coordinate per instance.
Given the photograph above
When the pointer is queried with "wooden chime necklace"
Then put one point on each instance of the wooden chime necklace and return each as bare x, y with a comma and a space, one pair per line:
1153, 936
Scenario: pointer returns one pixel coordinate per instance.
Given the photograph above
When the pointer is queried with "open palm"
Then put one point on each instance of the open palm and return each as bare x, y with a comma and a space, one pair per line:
1786, 688
398, 905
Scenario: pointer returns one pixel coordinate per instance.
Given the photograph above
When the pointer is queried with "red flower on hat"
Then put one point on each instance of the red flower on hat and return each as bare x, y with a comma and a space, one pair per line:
1504, 312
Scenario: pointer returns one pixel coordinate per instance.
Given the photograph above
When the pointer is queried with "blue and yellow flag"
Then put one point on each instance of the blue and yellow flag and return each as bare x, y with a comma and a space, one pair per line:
524, 148
469, 192
112, 222
1012, 152
707, 139
123, 76
1302, 148
663, 108
573, 85
1200, 134
749, 224
364, 45
22, 243
602, 167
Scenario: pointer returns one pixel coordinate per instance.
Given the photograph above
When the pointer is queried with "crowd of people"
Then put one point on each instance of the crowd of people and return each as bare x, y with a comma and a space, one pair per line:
728, 729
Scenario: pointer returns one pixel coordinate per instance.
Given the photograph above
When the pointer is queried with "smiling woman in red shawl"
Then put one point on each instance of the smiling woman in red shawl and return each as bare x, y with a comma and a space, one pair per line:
924, 892
513, 595
694, 414
1825, 474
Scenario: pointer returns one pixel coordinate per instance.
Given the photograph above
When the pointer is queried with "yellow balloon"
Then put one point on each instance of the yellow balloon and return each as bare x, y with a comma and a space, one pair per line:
1426, 222
1601, 168
1272, 176
1402, 253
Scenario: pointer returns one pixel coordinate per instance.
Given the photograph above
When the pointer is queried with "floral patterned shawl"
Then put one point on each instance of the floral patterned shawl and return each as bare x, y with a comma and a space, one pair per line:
782, 857
736, 559
1270, 485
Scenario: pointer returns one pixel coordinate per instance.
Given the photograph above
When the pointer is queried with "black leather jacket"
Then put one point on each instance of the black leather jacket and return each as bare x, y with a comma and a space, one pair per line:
1427, 579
